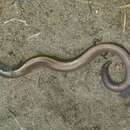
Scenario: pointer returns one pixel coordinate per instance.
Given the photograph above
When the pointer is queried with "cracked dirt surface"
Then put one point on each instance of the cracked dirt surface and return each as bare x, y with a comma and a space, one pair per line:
50, 100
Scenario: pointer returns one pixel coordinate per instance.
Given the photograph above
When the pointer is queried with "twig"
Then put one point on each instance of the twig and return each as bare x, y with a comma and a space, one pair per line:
124, 22
33, 36
17, 20
14, 116
125, 6
125, 15
83, 1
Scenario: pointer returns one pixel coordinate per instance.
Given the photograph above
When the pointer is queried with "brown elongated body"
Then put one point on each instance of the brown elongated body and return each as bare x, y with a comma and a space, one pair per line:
85, 58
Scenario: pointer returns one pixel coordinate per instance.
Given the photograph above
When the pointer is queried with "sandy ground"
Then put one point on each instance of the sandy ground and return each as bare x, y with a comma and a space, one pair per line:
50, 100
